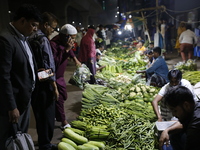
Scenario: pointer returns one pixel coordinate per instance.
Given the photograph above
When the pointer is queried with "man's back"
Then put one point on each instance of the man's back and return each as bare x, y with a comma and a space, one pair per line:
188, 36
192, 128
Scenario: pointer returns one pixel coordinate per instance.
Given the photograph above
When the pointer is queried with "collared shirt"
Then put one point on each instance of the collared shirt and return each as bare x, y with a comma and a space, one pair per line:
165, 112
159, 67
48, 58
23, 40
188, 36
192, 129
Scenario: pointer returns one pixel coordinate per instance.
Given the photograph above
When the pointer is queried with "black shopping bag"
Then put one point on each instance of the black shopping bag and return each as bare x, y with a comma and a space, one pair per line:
19, 140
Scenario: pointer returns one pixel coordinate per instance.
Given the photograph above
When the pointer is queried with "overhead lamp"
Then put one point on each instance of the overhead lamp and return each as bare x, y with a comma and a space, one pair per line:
119, 32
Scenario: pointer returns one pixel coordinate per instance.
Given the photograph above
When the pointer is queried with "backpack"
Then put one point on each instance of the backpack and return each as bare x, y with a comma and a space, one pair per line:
36, 46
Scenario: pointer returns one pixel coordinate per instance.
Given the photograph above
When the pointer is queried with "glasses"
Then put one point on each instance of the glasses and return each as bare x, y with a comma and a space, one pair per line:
55, 29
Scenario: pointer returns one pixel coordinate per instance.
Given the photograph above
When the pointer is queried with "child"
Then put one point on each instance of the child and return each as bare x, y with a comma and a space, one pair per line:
99, 48
98, 57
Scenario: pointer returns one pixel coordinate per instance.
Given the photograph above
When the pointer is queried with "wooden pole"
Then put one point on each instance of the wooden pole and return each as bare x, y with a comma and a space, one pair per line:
157, 29
145, 26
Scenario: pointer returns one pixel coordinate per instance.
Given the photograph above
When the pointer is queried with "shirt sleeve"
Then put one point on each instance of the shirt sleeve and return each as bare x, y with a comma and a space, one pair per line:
154, 66
5, 69
193, 136
71, 53
162, 91
48, 56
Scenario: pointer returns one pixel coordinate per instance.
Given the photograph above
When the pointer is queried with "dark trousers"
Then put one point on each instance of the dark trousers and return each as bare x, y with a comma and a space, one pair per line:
44, 110
5, 126
168, 45
60, 112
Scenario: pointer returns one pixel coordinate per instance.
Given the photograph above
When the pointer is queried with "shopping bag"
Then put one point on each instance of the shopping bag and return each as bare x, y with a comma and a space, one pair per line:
80, 76
19, 140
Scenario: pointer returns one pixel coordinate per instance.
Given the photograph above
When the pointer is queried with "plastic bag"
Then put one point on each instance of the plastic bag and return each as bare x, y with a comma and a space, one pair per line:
19, 140
81, 76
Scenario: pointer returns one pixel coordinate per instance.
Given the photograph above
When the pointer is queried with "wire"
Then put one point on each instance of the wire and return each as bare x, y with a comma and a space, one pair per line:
177, 19
184, 10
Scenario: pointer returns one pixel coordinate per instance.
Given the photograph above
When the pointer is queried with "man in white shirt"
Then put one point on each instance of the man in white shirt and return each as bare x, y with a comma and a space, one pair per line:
188, 40
175, 78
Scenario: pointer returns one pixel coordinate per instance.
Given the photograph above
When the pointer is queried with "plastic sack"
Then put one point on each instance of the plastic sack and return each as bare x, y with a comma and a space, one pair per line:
81, 76
19, 140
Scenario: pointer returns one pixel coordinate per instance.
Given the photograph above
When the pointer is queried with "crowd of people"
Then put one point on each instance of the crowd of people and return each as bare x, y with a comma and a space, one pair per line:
34, 76
20, 87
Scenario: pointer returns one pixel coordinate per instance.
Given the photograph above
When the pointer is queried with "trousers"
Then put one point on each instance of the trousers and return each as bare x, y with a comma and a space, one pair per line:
44, 111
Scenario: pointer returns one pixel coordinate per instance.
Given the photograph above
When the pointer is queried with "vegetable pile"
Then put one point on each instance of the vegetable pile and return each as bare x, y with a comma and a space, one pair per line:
118, 115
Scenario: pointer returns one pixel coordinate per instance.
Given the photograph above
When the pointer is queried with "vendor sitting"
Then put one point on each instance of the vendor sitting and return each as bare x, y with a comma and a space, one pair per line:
98, 57
99, 48
151, 59
140, 48
156, 74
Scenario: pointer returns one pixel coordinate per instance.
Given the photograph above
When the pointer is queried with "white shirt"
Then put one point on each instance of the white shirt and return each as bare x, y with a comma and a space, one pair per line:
23, 40
184, 83
188, 36
165, 113
78, 38
98, 51
163, 30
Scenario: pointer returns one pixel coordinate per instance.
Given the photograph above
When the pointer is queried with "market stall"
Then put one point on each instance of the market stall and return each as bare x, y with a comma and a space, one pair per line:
117, 112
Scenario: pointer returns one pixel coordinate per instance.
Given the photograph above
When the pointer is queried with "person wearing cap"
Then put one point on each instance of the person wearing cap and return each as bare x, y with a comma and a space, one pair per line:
62, 45
46, 92
175, 79
87, 54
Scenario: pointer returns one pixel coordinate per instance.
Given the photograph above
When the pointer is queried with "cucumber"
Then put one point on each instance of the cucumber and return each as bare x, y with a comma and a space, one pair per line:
83, 147
100, 145
66, 140
90, 145
65, 146
75, 137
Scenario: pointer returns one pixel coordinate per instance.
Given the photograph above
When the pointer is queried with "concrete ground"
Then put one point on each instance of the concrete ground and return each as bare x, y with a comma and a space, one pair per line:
73, 103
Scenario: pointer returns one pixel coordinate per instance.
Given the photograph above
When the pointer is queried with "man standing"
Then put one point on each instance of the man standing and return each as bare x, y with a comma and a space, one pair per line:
46, 93
181, 103
62, 45
17, 71
187, 40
